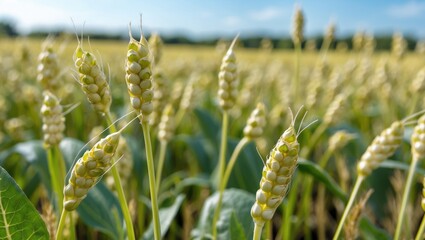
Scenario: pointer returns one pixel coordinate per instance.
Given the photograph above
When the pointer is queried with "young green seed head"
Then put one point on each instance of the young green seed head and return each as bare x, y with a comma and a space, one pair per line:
276, 177
89, 169
228, 79
382, 147
418, 83
330, 32
160, 96
256, 122
334, 111
92, 80
139, 77
340, 139
53, 120
418, 139
124, 166
48, 67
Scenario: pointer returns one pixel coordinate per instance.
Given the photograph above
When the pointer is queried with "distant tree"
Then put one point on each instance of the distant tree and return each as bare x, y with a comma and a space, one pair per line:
7, 28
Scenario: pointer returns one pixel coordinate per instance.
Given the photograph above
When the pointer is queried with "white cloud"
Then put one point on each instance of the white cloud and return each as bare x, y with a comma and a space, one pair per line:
407, 10
266, 14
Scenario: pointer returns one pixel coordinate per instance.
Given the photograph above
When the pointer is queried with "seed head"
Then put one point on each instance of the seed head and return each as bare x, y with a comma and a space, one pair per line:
156, 45
418, 139
276, 177
382, 147
48, 67
298, 26
89, 169
92, 80
53, 120
228, 79
139, 77
256, 122
166, 126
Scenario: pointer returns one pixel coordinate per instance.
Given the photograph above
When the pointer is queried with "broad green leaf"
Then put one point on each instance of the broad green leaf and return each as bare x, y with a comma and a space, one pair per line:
199, 148
166, 217
210, 127
370, 231
235, 201
71, 150
19, 218
236, 229
246, 174
101, 210
311, 168
33, 153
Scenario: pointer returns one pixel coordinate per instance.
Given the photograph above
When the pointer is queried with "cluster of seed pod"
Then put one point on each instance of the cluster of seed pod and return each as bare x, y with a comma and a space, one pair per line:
125, 165
156, 44
382, 147
339, 139
335, 109
88, 169
418, 83
228, 80
256, 122
398, 45
160, 84
276, 177
139, 77
418, 139
93, 80
48, 68
298, 26
53, 120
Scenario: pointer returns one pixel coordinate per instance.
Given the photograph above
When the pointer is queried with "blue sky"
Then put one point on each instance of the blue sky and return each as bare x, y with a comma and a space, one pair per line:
199, 18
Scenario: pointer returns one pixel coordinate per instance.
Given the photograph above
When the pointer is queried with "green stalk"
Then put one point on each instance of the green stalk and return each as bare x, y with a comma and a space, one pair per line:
296, 80
420, 233
349, 206
223, 146
119, 189
162, 149
286, 224
61, 225
406, 193
151, 176
55, 178
224, 181
257, 232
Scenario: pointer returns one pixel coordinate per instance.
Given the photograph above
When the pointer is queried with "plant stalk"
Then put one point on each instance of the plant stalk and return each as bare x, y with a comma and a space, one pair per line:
257, 232
119, 189
151, 176
347, 209
224, 181
223, 146
405, 199
162, 150
61, 225
420, 233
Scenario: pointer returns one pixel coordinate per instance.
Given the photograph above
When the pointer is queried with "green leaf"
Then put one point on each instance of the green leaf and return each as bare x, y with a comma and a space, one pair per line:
391, 164
210, 126
370, 231
33, 153
72, 149
198, 147
19, 218
321, 175
236, 229
235, 201
101, 210
166, 217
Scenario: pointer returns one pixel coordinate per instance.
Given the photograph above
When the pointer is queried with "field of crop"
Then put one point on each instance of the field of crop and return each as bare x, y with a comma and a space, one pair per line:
111, 140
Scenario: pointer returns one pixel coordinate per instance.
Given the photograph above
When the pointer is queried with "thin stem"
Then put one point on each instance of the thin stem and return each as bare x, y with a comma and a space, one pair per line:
420, 233
151, 176
286, 224
162, 149
61, 226
257, 232
297, 71
223, 146
72, 234
55, 178
119, 189
313, 140
349, 206
406, 193
224, 181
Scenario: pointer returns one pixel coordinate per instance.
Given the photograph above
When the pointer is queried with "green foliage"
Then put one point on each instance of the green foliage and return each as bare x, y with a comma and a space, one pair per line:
19, 218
